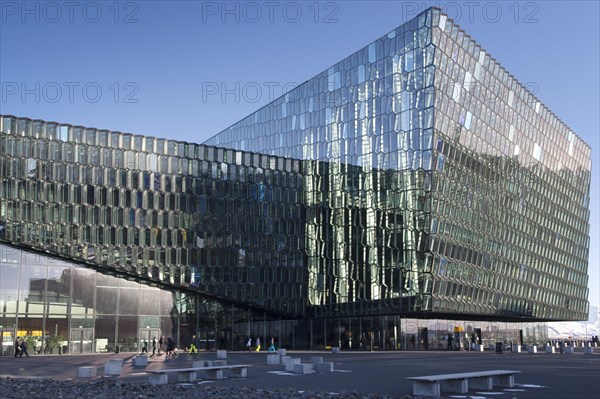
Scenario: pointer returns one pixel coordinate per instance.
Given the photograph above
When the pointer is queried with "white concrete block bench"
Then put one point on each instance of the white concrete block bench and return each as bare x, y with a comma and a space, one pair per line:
139, 361
432, 385
159, 377
209, 363
303, 368
113, 367
273, 358
324, 367
86, 372
588, 350
290, 362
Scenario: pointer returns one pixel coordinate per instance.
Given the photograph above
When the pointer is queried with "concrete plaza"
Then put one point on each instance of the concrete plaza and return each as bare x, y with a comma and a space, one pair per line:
542, 375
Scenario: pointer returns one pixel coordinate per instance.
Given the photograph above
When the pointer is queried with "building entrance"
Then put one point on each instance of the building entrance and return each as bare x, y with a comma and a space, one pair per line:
7, 342
146, 334
82, 340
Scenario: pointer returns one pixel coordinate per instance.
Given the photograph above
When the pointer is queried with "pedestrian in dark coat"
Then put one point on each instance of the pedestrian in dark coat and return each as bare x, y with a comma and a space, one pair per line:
161, 342
24, 348
17, 346
170, 348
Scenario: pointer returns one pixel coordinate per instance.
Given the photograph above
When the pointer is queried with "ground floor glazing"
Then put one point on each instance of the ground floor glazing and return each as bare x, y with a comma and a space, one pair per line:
62, 307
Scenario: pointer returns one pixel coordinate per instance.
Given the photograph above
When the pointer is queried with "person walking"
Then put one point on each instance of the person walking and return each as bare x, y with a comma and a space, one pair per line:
153, 346
161, 342
257, 344
249, 344
17, 346
272, 348
23, 348
193, 349
170, 348
145, 347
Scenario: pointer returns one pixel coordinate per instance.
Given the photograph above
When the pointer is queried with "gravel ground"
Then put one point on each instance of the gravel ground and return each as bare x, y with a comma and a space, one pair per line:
11, 388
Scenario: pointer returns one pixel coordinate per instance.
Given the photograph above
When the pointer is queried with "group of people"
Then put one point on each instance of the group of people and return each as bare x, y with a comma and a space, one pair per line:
21, 347
595, 339
167, 345
272, 347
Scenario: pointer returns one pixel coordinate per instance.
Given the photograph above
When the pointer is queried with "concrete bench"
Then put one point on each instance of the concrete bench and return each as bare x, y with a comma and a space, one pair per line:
113, 367
139, 361
316, 359
209, 363
432, 385
324, 367
290, 363
86, 372
588, 350
303, 368
159, 377
273, 358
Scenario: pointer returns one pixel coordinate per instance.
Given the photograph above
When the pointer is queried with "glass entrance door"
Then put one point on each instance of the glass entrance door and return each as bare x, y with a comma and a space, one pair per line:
7, 342
146, 335
82, 340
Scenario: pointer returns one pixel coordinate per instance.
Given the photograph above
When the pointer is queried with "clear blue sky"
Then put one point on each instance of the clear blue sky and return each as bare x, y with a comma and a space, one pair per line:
189, 69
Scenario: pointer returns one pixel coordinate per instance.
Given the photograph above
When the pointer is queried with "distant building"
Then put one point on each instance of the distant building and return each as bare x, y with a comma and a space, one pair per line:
413, 188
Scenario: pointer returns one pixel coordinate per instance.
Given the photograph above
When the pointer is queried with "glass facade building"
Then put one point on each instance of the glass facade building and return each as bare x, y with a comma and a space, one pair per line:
475, 195
414, 182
